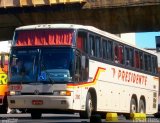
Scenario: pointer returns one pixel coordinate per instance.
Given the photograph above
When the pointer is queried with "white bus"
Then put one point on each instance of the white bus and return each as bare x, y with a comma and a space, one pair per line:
76, 68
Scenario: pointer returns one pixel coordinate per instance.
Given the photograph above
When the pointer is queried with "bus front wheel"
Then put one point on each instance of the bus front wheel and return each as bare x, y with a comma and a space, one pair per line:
3, 109
89, 108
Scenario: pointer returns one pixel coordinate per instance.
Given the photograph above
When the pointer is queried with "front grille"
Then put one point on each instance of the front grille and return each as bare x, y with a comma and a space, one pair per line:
37, 94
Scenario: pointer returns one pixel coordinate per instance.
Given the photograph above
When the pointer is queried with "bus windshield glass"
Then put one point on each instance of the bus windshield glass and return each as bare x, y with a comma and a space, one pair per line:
23, 65
56, 65
46, 65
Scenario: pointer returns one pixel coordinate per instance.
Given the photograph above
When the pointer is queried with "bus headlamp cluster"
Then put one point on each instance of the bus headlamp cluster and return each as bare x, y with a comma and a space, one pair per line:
12, 93
62, 93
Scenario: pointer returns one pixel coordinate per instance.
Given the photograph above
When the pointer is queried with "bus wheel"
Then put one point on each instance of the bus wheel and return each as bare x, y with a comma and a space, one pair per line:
3, 109
133, 106
36, 114
89, 108
141, 106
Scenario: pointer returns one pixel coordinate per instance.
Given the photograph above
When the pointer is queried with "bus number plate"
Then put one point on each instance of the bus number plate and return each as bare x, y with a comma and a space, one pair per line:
37, 102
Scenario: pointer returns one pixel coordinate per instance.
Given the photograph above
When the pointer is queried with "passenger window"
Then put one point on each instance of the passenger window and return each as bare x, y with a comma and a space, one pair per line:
145, 62
118, 56
141, 60
92, 45
82, 41
104, 49
98, 47
137, 59
110, 50
149, 63
129, 55
154, 65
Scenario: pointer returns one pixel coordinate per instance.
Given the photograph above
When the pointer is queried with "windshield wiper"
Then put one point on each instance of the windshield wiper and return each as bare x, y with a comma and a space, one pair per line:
48, 74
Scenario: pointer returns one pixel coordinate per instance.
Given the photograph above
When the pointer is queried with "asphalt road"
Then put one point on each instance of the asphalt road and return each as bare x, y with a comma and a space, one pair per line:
59, 118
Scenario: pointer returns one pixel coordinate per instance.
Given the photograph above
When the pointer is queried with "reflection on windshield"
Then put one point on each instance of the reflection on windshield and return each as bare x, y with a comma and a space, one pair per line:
23, 67
56, 65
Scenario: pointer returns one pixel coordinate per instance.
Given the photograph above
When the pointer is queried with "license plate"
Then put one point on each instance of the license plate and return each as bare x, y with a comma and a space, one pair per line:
37, 102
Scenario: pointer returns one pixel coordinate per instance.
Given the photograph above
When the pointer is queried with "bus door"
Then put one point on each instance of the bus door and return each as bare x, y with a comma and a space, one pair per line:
77, 80
81, 76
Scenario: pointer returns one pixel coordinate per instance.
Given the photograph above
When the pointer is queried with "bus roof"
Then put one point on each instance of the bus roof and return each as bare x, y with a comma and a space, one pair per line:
76, 26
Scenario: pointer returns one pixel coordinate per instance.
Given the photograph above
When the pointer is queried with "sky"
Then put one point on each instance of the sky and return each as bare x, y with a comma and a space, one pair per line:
146, 40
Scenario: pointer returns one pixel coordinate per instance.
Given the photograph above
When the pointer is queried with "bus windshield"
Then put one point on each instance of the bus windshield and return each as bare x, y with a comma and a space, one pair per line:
23, 65
56, 65
41, 65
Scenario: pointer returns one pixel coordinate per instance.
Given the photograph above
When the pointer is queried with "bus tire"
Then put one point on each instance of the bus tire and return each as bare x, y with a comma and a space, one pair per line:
141, 106
36, 114
3, 109
89, 108
133, 106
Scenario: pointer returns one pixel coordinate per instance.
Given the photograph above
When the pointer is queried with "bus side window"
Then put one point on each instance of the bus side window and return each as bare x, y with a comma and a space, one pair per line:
118, 56
92, 45
104, 44
145, 62
127, 59
110, 50
82, 41
154, 65
137, 59
149, 64
141, 60
98, 47
131, 55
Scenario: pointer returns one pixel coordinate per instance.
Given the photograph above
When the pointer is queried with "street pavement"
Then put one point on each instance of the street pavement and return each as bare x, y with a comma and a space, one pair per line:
60, 118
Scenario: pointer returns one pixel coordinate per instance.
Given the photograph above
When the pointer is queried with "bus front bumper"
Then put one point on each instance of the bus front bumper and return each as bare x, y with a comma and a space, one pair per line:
40, 102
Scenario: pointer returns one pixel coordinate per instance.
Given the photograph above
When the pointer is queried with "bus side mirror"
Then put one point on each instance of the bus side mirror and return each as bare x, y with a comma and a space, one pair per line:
2, 60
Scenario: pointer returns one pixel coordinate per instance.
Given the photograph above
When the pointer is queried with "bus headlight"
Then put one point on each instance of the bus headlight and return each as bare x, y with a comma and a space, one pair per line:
62, 93
14, 93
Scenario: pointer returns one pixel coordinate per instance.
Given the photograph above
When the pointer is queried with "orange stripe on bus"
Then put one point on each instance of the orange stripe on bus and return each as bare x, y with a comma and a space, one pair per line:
84, 84
156, 78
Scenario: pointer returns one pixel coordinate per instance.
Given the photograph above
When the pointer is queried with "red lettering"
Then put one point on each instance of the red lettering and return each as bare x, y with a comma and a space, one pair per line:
145, 80
16, 87
119, 74
140, 79
134, 77
123, 75
113, 69
129, 77
126, 76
